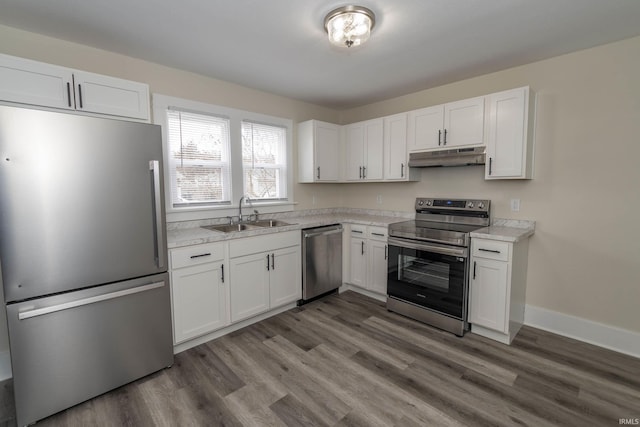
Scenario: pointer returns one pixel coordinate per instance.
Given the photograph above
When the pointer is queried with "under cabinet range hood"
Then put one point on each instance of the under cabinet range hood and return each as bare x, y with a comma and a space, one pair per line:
453, 157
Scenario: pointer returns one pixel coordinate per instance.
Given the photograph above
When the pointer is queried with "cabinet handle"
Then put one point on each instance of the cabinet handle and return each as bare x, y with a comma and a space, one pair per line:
364, 172
318, 172
222, 268
356, 231
386, 251
474, 270
80, 94
489, 250
401, 170
378, 234
445, 137
362, 243
267, 262
490, 164
69, 93
200, 255
439, 137
273, 262
360, 172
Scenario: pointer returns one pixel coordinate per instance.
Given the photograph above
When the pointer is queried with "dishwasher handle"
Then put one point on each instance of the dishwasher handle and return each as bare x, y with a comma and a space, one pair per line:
325, 232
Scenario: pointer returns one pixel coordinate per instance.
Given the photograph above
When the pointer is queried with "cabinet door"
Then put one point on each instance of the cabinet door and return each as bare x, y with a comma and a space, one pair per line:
425, 127
488, 294
31, 82
249, 285
354, 147
108, 95
377, 267
373, 150
507, 134
464, 122
285, 281
395, 147
326, 152
358, 262
199, 300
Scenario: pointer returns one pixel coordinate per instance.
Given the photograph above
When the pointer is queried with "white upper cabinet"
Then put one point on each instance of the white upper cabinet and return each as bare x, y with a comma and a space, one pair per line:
425, 128
318, 152
108, 95
464, 123
30, 82
395, 149
452, 125
35, 83
364, 150
510, 134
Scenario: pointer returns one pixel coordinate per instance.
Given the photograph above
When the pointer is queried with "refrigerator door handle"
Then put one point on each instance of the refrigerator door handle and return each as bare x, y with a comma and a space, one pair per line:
154, 166
86, 301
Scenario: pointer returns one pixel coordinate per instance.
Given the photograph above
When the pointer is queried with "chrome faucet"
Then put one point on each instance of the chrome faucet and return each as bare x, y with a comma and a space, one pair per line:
248, 200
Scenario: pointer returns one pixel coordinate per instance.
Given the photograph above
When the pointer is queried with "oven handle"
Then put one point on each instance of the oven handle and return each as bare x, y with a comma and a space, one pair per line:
435, 248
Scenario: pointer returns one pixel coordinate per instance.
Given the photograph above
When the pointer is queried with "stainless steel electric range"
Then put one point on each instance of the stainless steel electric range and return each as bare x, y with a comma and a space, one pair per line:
428, 266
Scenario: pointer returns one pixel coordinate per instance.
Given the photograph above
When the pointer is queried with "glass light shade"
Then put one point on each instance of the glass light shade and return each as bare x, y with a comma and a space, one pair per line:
349, 25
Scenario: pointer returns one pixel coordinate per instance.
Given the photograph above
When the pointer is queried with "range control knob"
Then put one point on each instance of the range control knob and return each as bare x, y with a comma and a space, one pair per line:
421, 202
481, 205
470, 205
429, 202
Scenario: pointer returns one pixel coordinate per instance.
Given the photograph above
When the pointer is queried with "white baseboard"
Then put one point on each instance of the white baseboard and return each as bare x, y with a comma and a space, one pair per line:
5, 365
347, 287
611, 337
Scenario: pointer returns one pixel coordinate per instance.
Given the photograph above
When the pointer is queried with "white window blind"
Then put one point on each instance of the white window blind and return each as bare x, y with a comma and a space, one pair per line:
198, 158
264, 161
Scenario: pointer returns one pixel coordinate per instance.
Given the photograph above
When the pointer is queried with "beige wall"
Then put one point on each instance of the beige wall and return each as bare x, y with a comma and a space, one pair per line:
587, 153
585, 196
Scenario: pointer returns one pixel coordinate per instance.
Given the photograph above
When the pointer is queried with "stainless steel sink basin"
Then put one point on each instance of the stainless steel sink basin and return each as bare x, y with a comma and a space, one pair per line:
270, 223
230, 228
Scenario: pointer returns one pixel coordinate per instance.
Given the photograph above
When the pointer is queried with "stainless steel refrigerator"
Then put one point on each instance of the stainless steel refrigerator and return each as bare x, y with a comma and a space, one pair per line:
83, 256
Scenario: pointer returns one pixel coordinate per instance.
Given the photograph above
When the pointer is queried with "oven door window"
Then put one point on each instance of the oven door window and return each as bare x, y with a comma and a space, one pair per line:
428, 279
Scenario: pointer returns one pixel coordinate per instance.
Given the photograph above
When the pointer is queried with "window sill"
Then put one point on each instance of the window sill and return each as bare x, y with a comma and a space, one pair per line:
190, 214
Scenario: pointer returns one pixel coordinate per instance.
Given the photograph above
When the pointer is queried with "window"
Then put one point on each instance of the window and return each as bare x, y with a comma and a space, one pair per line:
198, 158
264, 161
213, 155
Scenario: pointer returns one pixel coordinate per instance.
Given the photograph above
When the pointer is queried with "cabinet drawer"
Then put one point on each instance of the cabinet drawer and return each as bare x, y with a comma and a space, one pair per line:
358, 230
194, 255
490, 249
378, 233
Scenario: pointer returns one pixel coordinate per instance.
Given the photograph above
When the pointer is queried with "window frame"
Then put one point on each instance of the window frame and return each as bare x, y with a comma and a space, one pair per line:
283, 167
161, 103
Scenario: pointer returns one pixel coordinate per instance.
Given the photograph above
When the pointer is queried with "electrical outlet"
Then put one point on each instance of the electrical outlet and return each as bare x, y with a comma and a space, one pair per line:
379, 199
515, 205
313, 200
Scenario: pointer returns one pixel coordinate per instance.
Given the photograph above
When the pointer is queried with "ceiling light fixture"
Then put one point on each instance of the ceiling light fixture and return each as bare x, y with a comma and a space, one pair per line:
349, 25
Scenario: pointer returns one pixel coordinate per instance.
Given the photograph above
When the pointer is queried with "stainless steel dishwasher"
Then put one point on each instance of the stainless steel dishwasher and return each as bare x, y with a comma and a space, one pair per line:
321, 261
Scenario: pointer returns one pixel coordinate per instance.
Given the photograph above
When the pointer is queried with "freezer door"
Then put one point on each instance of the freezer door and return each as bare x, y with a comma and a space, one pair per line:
82, 202
69, 348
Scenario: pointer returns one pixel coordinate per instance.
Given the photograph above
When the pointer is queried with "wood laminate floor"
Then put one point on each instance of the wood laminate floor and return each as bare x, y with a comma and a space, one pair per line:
346, 361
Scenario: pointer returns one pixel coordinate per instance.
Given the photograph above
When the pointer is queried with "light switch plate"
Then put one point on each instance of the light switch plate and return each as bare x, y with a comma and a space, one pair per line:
515, 205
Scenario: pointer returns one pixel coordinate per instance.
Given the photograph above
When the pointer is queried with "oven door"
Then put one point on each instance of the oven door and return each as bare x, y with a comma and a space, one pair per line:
429, 275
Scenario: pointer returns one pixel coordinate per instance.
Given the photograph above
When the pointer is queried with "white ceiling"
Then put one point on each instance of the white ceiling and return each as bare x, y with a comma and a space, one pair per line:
280, 46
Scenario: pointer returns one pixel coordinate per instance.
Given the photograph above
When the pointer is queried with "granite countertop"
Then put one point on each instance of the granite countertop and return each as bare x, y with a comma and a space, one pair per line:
506, 230
191, 232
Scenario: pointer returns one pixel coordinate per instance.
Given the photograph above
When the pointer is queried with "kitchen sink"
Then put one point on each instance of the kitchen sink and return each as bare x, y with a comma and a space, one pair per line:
270, 223
229, 228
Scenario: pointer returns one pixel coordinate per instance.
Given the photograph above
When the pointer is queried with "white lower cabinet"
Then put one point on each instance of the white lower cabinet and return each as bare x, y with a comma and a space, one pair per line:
497, 288
250, 286
367, 255
198, 291
265, 273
